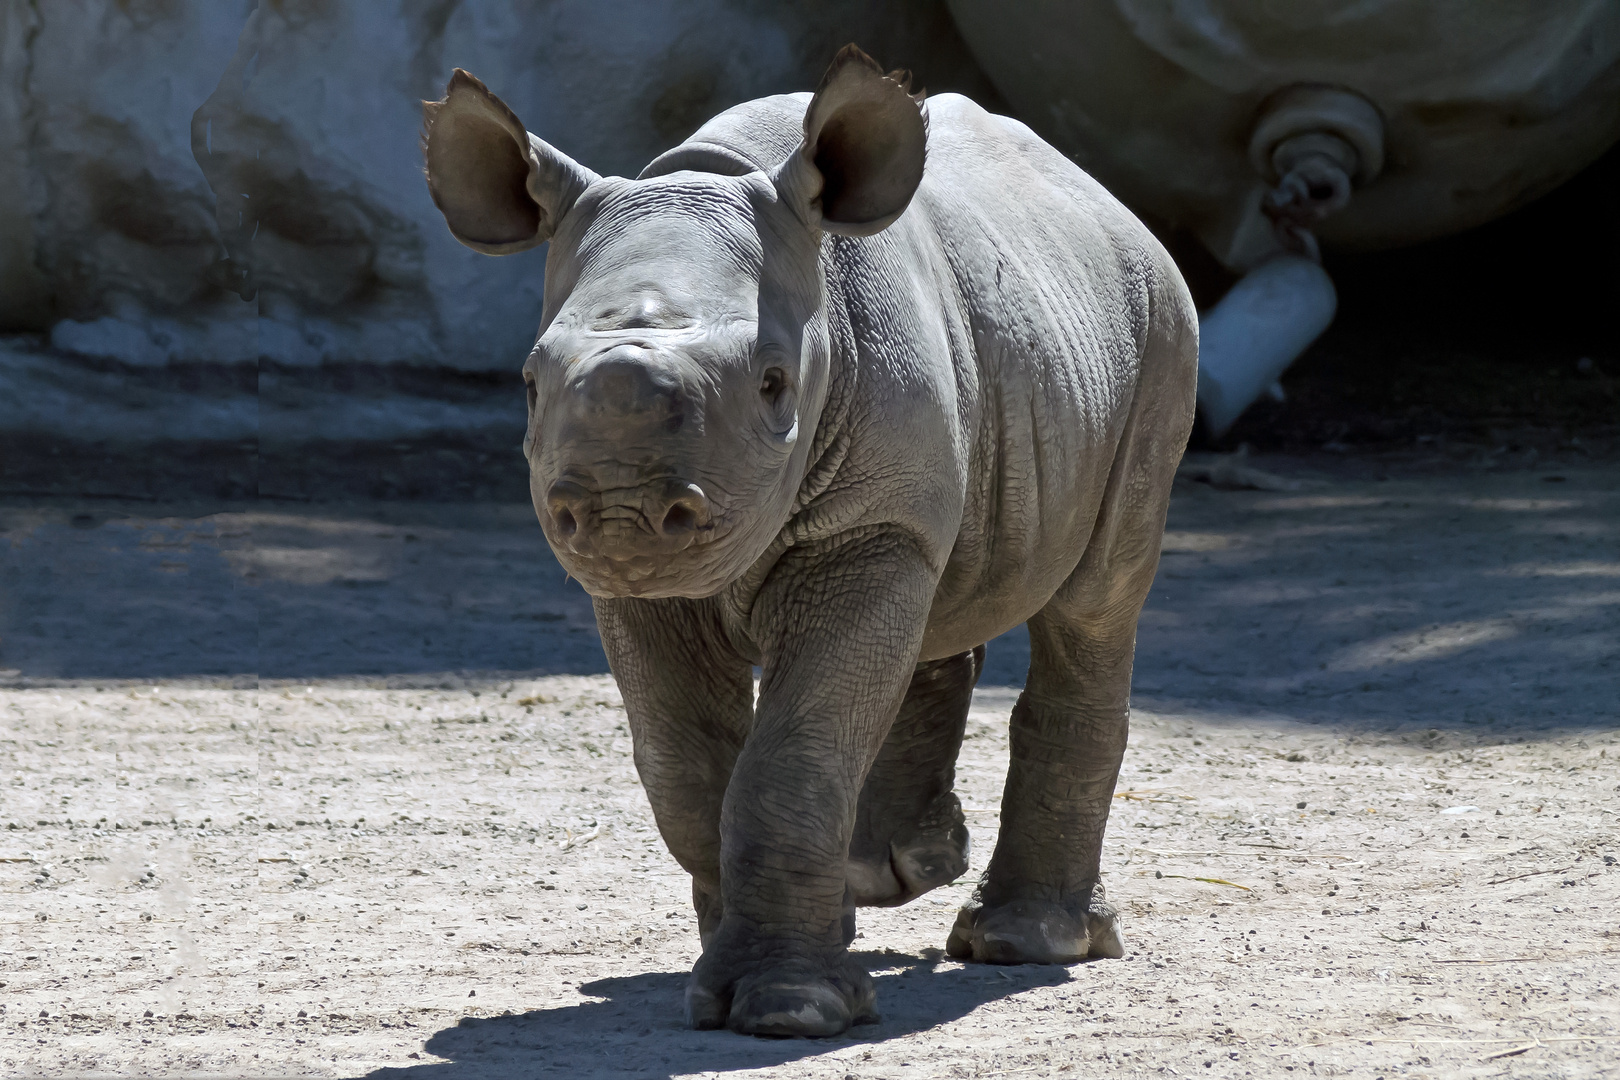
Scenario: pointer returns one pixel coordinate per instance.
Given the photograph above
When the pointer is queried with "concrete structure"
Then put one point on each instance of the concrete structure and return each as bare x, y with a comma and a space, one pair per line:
1262, 128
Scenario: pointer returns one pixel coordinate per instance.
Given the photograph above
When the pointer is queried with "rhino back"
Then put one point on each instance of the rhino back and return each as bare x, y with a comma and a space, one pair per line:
1043, 285
985, 356
757, 136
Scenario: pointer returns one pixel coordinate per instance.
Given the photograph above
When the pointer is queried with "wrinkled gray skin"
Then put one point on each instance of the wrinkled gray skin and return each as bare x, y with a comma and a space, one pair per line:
797, 402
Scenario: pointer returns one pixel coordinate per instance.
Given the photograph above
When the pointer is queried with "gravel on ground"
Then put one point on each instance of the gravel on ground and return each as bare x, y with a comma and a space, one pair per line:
344, 790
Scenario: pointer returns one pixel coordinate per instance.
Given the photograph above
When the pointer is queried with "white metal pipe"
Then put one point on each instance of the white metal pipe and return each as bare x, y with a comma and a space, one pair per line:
1260, 327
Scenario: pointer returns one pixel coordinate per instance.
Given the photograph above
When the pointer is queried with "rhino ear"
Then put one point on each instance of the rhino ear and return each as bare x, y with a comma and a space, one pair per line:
501, 190
865, 137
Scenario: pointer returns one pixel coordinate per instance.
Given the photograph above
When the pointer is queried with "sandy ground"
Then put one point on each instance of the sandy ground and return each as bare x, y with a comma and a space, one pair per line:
343, 791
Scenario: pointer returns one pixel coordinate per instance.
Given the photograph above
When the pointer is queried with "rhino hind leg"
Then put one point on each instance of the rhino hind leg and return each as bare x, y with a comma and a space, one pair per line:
1041, 900
910, 835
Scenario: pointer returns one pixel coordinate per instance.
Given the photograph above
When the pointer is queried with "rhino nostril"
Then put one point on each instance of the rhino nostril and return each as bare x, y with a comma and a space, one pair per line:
687, 510
568, 504
678, 519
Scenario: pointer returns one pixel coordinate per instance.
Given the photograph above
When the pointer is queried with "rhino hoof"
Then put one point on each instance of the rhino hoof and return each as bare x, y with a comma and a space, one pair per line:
930, 861
791, 1005
1107, 932
705, 1010
923, 857
1035, 932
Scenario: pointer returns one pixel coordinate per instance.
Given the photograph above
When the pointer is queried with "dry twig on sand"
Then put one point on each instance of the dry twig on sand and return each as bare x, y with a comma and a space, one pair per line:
1150, 795
1295, 853
1533, 873
1211, 880
577, 841
1419, 1041
1227, 472
1512, 1050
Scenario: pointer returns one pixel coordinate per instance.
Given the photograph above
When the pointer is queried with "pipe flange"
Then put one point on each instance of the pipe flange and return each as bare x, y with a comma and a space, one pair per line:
1307, 118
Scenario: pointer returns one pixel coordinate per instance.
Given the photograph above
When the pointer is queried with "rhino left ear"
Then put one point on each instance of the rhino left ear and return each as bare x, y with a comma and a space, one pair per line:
865, 137
501, 190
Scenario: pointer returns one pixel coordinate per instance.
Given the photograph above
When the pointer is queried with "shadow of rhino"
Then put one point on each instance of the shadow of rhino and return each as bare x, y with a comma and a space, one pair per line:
636, 1027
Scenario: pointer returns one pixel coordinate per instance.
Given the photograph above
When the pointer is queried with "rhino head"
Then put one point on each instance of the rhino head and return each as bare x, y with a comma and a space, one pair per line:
682, 360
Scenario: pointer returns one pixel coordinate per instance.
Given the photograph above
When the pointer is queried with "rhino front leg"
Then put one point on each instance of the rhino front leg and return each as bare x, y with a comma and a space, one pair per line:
910, 835
1041, 899
839, 630
690, 700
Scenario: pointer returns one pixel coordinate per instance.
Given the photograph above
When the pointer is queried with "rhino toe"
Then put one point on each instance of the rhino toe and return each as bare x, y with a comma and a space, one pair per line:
798, 1004
1019, 932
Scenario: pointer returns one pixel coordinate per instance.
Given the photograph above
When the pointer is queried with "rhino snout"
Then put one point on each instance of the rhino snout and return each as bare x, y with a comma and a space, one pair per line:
659, 517
627, 388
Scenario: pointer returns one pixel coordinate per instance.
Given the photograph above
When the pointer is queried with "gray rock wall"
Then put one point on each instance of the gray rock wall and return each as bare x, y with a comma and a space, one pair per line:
107, 230
224, 182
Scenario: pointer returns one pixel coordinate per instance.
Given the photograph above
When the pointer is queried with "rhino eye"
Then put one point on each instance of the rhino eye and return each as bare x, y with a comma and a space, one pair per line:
776, 394
773, 386
534, 395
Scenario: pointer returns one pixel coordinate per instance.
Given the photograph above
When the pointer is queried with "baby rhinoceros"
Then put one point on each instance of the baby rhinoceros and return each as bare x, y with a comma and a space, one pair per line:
844, 386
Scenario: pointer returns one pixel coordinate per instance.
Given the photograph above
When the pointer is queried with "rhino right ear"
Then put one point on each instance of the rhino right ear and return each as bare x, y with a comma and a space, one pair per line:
501, 190
865, 140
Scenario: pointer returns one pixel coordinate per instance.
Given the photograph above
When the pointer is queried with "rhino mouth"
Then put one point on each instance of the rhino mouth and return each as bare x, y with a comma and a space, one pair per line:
648, 576
646, 539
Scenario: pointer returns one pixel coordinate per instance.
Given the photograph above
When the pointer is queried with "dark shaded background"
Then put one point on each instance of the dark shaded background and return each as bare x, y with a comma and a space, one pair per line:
1477, 339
